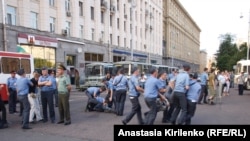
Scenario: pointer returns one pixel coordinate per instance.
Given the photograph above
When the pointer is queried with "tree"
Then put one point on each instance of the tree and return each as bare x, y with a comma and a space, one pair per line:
228, 53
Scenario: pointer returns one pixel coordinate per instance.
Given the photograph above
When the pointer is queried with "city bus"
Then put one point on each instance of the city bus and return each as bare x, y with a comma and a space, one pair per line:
128, 65
243, 66
165, 68
12, 61
94, 74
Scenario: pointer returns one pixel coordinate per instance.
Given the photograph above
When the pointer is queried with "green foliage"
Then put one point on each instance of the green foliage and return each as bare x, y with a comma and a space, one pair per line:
39, 63
228, 53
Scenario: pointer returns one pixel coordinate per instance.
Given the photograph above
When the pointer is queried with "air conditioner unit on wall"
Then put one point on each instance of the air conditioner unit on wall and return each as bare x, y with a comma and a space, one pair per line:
68, 14
64, 32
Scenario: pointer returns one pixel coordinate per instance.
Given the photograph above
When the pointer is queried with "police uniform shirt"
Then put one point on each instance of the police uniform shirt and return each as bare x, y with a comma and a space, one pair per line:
181, 81
11, 83
204, 78
133, 83
22, 86
93, 90
194, 91
122, 85
45, 78
152, 86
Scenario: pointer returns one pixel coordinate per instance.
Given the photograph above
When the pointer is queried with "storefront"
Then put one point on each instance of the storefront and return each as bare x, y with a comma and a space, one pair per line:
43, 49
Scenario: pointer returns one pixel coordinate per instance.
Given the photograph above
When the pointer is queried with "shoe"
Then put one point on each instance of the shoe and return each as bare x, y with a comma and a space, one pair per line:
59, 122
123, 122
67, 123
45, 120
33, 122
205, 102
26, 128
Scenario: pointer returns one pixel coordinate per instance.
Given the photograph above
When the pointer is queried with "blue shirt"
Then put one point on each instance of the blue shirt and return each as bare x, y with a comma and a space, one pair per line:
163, 83
53, 82
122, 85
132, 84
194, 91
110, 84
100, 99
181, 81
204, 78
11, 83
170, 76
92, 90
152, 87
46, 78
22, 85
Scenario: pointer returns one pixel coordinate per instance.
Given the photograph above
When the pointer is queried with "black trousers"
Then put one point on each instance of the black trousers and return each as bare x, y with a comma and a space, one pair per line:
3, 109
191, 108
203, 95
120, 101
241, 89
12, 100
47, 99
136, 109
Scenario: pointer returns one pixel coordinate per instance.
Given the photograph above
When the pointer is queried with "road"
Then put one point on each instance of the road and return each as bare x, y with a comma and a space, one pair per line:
96, 126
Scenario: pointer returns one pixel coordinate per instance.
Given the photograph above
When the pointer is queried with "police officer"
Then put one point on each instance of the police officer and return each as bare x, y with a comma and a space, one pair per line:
22, 86
179, 95
152, 88
47, 94
192, 97
134, 93
11, 86
121, 83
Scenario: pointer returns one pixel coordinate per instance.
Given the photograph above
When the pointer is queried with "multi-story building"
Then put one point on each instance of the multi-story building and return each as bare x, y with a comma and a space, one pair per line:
181, 36
76, 32
203, 60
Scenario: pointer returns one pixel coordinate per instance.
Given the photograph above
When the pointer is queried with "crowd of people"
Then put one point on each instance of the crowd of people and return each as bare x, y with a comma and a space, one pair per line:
51, 88
179, 92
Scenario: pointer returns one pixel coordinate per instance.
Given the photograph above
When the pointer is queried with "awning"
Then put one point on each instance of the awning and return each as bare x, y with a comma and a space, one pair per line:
129, 53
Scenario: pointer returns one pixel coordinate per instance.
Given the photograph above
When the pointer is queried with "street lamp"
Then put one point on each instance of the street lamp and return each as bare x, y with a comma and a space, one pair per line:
133, 5
248, 44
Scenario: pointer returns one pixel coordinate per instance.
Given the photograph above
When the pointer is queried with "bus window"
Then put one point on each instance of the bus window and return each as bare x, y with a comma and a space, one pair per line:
25, 64
126, 69
9, 64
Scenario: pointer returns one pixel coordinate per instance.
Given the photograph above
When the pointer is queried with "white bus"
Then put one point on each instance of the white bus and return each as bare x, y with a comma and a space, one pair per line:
12, 61
95, 72
243, 66
165, 68
128, 65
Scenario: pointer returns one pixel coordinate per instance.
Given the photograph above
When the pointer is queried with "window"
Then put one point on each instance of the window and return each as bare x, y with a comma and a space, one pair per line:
52, 24
71, 60
11, 15
102, 35
93, 34
118, 21
92, 13
81, 32
80, 8
34, 20
117, 6
52, 2
93, 57
9, 64
130, 28
102, 16
124, 25
124, 6
110, 22
68, 27
67, 5
118, 40
25, 63
111, 42
125, 44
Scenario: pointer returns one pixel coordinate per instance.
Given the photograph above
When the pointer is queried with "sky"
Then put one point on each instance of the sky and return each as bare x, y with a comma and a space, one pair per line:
218, 17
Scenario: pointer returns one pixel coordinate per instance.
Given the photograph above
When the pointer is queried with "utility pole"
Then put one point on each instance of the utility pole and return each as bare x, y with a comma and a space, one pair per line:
4, 27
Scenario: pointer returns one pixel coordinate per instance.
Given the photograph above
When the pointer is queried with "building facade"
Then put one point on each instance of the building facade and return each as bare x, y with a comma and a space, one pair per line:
203, 60
181, 36
77, 32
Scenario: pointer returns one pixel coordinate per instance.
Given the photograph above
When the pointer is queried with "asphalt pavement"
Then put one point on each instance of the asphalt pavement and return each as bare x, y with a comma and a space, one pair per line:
98, 126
